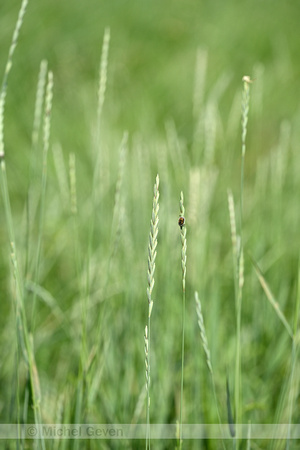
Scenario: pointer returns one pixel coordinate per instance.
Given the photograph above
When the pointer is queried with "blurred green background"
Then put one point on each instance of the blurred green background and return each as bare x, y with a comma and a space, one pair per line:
152, 74
152, 59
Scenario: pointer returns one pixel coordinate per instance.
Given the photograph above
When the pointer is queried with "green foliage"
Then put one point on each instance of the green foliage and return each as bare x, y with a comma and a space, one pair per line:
73, 303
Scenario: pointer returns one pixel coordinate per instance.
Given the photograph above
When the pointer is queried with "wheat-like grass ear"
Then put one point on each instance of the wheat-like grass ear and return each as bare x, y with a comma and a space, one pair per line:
205, 346
203, 333
150, 284
7, 71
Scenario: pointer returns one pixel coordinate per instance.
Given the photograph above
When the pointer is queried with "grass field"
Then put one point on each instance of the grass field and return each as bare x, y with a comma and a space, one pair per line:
91, 249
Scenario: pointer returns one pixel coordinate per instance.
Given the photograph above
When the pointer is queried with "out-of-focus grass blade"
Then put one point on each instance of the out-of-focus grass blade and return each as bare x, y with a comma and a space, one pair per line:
271, 298
229, 410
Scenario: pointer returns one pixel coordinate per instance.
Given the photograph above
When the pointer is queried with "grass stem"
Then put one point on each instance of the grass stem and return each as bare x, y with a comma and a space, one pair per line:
183, 266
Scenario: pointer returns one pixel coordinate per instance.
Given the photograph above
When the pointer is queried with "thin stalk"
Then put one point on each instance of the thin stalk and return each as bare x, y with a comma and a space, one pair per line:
235, 242
240, 262
147, 369
183, 266
237, 386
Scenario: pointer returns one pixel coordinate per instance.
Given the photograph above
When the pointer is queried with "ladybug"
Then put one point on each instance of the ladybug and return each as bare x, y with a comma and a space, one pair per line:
181, 221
